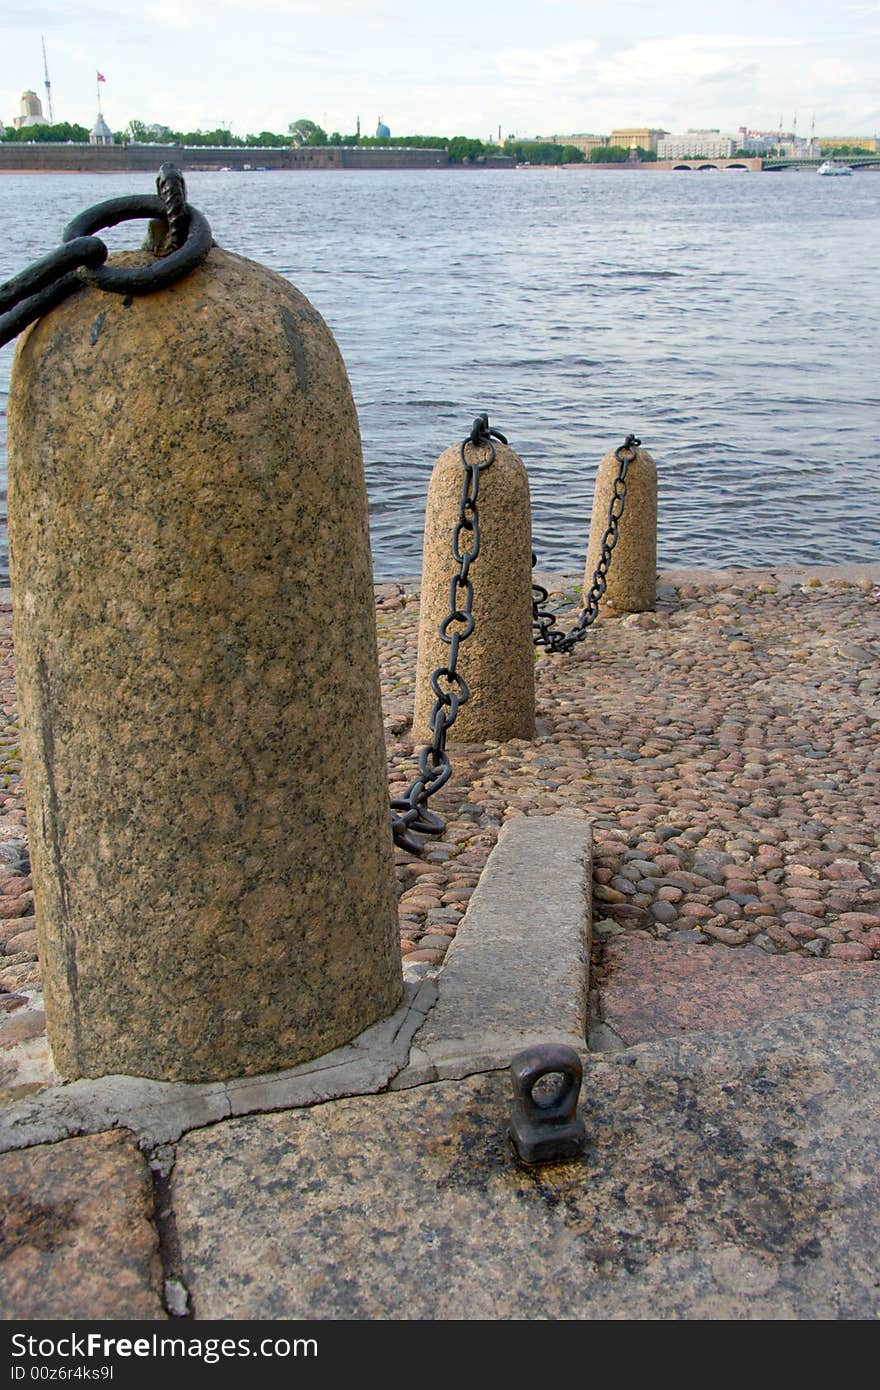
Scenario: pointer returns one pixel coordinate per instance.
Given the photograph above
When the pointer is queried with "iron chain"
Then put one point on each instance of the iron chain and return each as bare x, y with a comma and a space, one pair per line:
410, 814
80, 259
544, 629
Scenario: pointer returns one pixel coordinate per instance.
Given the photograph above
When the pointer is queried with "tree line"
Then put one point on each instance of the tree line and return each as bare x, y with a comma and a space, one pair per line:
60, 133
308, 133
619, 154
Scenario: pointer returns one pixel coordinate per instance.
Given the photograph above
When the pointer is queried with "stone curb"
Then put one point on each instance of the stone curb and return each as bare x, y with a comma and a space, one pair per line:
518, 971
159, 1112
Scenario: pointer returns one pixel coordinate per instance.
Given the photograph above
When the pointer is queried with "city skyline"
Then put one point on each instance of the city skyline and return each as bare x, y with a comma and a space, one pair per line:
259, 64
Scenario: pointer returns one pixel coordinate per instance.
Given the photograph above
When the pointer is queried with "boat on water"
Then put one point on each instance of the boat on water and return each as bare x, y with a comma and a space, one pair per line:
831, 168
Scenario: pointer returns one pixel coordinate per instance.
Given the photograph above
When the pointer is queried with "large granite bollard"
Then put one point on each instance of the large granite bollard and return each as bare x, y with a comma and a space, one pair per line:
632, 574
497, 661
198, 679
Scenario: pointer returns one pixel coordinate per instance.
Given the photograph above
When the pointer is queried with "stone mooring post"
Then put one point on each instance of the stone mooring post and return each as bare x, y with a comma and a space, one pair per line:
632, 575
197, 671
497, 660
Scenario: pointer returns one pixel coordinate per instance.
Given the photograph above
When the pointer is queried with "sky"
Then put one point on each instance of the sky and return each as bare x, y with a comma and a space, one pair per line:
543, 67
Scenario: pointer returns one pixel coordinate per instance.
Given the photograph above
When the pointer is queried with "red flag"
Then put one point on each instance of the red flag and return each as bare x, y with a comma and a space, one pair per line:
101, 77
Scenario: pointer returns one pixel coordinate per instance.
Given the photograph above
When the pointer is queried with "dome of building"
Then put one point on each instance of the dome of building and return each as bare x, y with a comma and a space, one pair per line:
31, 111
382, 131
100, 134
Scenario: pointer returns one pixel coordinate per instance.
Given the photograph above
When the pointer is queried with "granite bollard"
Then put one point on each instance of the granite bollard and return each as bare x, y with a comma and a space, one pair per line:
497, 660
632, 574
197, 670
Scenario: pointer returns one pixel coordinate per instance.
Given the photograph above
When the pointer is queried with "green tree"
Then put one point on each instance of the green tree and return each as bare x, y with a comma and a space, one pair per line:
204, 137
268, 138
609, 154
846, 150
59, 134
542, 152
306, 132
460, 147
137, 132
416, 142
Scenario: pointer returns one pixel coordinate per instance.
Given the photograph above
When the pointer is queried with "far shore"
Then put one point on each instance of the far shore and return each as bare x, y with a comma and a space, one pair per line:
461, 168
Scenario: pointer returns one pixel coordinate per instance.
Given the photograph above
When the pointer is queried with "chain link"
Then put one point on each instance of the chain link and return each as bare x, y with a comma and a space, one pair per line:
80, 259
544, 629
448, 684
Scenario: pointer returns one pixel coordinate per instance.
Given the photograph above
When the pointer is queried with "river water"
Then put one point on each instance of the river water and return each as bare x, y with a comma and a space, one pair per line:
729, 319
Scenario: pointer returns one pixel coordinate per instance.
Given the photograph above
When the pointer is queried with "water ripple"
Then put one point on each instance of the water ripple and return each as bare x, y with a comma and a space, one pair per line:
722, 321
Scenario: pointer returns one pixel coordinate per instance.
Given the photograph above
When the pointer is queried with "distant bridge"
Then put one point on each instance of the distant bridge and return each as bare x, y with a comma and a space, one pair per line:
855, 161
771, 165
700, 164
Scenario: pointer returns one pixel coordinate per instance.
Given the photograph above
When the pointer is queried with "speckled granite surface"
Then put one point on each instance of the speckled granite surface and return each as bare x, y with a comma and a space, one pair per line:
497, 660
724, 1177
76, 1233
191, 575
651, 990
632, 577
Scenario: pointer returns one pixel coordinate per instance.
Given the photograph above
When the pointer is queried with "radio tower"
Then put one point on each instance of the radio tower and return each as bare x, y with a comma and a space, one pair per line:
47, 83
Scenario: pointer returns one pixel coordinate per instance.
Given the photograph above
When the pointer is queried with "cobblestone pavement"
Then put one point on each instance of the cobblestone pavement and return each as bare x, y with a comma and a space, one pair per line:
725, 747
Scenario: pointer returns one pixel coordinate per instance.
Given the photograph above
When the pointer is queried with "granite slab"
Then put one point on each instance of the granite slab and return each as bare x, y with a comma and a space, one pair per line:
76, 1233
725, 1177
651, 990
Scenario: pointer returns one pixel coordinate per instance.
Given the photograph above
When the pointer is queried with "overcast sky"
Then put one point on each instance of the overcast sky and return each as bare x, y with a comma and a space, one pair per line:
464, 67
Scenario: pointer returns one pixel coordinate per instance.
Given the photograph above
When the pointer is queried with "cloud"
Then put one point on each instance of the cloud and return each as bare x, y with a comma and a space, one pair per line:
547, 64
448, 70
727, 80
169, 15
373, 11
736, 75
833, 72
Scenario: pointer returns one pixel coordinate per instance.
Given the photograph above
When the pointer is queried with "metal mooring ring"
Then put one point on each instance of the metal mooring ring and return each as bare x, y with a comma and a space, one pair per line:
141, 279
546, 1129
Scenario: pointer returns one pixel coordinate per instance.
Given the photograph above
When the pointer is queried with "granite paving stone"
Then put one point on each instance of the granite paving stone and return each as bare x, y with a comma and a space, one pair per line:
724, 1177
650, 989
77, 1239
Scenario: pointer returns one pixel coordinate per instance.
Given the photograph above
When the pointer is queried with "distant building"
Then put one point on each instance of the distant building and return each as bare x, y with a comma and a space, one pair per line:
382, 131
757, 141
637, 137
786, 142
871, 145
31, 111
796, 146
697, 144
587, 143
100, 133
